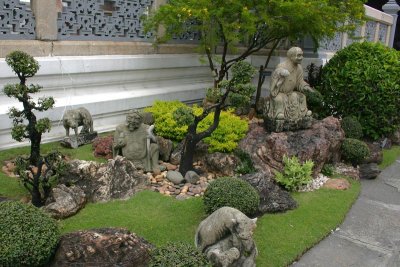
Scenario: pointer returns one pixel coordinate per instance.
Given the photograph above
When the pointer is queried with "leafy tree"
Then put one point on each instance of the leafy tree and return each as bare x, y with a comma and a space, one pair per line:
35, 171
225, 25
25, 66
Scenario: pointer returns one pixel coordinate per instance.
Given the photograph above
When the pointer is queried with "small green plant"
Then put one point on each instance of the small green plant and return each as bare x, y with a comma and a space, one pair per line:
328, 170
28, 236
178, 255
294, 173
231, 192
351, 127
246, 164
354, 151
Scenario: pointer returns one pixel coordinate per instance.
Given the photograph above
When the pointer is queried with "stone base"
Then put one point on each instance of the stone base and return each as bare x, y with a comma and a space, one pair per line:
82, 139
277, 126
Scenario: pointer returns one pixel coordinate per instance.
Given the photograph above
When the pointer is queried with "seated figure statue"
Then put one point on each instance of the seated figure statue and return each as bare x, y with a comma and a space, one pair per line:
286, 108
136, 142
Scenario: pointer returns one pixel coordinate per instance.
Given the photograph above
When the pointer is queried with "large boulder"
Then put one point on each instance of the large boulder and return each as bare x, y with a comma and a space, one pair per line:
107, 247
320, 143
272, 197
101, 182
65, 201
221, 163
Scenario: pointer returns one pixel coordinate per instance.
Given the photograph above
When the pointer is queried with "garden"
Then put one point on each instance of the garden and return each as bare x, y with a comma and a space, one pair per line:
172, 172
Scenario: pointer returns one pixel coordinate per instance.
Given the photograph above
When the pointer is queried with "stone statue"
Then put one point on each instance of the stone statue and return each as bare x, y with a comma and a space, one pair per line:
226, 237
286, 108
136, 142
74, 118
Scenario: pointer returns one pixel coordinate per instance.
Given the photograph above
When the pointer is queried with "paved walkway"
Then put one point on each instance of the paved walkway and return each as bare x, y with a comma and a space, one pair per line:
370, 234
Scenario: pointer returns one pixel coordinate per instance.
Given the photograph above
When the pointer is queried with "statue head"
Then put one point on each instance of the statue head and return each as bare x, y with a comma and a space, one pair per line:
133, 120
295, 54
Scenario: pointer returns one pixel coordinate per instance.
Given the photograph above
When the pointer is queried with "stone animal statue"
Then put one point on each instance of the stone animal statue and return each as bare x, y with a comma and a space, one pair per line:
226, 238
78, 117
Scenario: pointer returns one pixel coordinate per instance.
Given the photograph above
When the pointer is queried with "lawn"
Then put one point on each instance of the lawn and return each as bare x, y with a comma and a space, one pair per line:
280, 238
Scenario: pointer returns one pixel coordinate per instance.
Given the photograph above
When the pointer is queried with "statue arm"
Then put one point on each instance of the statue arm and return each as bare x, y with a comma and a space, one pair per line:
302, 85
275, 87
119, 140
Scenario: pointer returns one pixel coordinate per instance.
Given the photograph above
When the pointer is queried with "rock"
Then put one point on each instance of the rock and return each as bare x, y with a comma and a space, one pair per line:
82, 139
221, 163
106, 247
321, 143
395, 137
175, 156
102, 147
192, 177
347, 170
175, 177
369, 171
165, 148
101, 182
337, 184
65, 201
272, 197
385, 143
376, 154
148, 118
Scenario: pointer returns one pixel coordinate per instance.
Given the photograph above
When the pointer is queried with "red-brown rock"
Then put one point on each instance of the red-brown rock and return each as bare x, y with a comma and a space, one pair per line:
102, 147
337, 184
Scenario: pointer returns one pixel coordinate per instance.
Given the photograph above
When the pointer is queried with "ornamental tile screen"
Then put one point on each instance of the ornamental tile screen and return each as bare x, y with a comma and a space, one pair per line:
383, 29
16, 21
370, 27
117, 20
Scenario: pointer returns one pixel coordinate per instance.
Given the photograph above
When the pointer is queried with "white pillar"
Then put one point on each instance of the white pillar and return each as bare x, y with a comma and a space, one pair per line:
392, 8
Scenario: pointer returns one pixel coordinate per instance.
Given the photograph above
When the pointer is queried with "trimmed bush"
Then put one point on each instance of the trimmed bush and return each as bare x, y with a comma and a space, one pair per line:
351, 127
225, 138
231, 192
354, 151
28, 236
362, 80
328, 170
294, 173
178, 255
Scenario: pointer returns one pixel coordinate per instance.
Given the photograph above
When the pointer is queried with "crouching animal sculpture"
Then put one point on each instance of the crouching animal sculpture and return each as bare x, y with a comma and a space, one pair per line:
78, 117
226, 237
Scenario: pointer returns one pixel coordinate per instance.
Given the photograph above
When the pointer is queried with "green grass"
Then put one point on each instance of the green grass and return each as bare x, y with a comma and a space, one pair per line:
389, 156
280, 238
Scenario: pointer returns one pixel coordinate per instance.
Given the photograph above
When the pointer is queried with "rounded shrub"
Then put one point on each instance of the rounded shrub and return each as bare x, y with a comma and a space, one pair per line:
351, 127
28, 236
231, 192
354, 151
178, 255
363, 80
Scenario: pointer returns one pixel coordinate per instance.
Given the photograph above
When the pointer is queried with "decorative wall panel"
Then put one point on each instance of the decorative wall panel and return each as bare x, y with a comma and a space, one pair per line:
115, 20
16, 20
333, 44
382, 33
370, 27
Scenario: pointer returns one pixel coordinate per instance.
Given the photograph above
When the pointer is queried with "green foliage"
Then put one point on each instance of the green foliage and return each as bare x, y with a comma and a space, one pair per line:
178, 254
351, 127
28, 236
231, 192
294, 173
314, 74
328, 170
22, 64
354, 151
362, 80
170, 118
246, 164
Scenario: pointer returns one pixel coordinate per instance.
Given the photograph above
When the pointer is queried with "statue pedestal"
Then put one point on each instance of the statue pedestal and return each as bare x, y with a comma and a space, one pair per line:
277, 126
82, 139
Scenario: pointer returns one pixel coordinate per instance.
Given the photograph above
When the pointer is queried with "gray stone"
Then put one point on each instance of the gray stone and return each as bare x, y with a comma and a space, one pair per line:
226, 237
175, 177
369, 171
272, 197
80, 140
65, 201
165, 148
192, 177
221, 163
107, 247
148, 118
376, 154
395, 137
116, 179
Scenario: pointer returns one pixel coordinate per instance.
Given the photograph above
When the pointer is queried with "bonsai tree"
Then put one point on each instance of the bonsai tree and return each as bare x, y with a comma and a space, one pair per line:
35, 178
252, 25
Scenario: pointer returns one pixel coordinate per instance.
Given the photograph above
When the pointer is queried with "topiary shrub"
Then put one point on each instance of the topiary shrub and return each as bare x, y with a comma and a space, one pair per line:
354, 151
231, 192
351, 127
28, 236
178, 255
172, 117
294, 173
328, 170
363, 80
